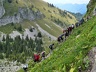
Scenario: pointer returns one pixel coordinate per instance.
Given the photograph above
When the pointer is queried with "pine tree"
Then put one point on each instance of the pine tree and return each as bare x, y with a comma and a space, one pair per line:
3, 39
10, 1
19, 28
27, 38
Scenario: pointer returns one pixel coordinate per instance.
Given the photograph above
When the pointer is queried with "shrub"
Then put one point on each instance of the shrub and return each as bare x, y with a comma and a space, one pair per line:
31, 30
10, 1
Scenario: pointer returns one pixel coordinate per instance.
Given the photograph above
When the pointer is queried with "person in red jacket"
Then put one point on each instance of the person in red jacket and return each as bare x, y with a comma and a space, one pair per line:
36, 57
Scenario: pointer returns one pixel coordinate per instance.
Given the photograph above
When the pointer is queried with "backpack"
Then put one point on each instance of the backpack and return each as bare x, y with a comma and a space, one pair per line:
50, 47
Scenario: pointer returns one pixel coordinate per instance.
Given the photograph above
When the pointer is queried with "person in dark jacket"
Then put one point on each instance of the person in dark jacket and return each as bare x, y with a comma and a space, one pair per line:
76, 24
25, 67
51, 46
43, 55
58, 39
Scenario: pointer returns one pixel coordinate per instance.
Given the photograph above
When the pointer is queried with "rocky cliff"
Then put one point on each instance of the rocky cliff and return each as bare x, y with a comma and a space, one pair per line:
22, 14
2, 10
91, 8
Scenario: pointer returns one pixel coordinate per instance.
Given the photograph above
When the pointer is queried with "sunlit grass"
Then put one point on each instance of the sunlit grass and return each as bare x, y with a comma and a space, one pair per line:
69, 55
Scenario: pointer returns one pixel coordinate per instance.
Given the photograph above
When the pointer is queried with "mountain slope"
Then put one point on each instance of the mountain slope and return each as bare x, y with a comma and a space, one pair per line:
36, 12
77, 15
71, 56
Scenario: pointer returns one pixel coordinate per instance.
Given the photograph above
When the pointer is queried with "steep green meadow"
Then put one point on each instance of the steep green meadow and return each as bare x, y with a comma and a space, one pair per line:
69, 55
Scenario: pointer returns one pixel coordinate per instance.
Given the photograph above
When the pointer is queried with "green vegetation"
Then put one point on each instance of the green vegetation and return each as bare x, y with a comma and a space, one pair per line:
69, 56
11, 27
48, 10
52, 16
90, 8
77, 15
19, 49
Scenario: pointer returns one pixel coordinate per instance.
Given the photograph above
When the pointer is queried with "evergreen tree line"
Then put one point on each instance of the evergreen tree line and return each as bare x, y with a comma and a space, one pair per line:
50, 5
18, 48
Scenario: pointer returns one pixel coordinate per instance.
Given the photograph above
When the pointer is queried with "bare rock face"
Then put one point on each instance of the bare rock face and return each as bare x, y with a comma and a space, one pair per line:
92, 58
94, 11
2, 10
26, 13
19, 16
10, 19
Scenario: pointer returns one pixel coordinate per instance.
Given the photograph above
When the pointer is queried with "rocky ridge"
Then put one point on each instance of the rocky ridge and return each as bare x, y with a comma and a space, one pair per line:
22, 14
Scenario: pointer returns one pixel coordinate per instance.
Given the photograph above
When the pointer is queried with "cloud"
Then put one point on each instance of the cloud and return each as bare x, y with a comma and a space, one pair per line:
68, 1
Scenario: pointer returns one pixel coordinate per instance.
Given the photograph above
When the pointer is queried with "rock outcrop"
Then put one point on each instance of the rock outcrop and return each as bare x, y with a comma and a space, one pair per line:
2, 10
22, 14
91, 8
94, 11
92, 58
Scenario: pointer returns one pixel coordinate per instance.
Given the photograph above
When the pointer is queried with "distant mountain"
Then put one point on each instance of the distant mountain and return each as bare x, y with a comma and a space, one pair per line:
77, 15
75, 8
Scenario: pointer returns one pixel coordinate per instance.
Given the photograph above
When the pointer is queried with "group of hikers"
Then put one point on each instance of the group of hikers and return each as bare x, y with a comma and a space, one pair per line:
61, 38
38, 57
66, 32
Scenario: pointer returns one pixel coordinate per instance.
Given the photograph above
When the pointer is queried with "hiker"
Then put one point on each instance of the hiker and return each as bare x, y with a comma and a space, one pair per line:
51, 47
72, 26
70, 29
43, 55
36, 57
61, 37
25, 67
66, 34
81, 21
76, 24
58, 39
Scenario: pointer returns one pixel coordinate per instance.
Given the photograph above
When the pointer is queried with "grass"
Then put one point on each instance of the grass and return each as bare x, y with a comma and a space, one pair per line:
12, 8
53, 30
21, 70
7, 28
68, 56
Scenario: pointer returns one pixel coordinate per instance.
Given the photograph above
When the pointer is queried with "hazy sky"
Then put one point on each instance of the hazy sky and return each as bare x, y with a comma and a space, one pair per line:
68, 1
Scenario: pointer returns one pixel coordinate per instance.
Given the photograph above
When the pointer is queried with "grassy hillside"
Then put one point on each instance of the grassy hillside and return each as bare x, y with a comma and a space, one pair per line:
52, 15
71, 55
68, 56
36, 5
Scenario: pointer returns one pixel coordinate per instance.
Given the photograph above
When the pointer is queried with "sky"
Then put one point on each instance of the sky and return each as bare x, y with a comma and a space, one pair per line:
68, 1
